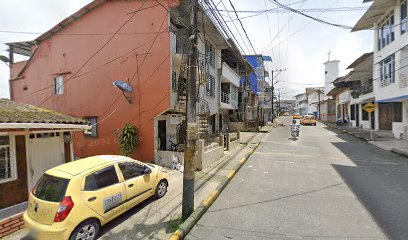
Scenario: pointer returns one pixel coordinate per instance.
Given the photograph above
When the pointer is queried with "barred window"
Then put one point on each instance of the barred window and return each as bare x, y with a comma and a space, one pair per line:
7, 159
210, 88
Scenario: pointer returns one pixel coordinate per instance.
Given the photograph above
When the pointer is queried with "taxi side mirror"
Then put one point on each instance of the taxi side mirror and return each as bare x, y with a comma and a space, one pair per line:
147, 170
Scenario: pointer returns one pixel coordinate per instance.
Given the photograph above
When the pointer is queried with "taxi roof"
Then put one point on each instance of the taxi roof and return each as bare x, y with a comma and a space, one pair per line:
85, 164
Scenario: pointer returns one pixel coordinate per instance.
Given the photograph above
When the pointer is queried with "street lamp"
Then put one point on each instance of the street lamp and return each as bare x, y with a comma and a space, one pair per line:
5, 59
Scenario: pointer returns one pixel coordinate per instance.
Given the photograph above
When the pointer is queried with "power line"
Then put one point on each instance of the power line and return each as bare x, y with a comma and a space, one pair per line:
99, 50
299, 29
311, 17
279, 9
243, 28
293, 14
236, 28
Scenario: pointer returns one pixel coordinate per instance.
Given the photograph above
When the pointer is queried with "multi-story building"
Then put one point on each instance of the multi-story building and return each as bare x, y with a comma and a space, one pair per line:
390, 58
72, 66
301, 105
314, 96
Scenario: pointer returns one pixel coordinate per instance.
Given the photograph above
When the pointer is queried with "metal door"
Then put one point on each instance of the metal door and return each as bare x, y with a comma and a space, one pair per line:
45, 151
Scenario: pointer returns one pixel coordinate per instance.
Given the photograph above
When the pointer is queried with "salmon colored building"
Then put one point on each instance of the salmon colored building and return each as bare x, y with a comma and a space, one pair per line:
84, 51
71, 69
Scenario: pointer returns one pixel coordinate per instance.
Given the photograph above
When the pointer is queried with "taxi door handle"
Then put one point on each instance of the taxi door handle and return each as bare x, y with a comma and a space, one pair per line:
91, 199
131, 185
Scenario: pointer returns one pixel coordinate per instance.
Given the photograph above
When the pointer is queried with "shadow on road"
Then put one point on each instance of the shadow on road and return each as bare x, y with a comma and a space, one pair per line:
379, 180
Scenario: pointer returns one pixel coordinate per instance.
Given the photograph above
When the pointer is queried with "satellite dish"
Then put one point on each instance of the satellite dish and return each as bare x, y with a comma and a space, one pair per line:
124, 87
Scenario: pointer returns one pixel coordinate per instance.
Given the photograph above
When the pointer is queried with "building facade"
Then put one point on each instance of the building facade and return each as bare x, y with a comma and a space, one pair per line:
390, 81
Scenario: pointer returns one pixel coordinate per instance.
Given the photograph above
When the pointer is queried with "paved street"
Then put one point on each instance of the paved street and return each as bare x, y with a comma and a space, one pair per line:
323, 186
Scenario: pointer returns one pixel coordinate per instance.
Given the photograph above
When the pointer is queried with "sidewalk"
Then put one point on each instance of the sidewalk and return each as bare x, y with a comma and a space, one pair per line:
158, 219
382, 139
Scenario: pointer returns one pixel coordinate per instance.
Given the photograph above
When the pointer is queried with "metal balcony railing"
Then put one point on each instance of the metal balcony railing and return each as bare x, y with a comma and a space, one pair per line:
225, 97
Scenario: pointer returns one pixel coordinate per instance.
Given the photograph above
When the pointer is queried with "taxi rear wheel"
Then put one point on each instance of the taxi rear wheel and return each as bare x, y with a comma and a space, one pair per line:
87, 230
161, 189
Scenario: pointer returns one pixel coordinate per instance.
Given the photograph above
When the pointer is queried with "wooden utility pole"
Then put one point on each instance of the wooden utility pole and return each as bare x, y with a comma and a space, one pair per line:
191, 117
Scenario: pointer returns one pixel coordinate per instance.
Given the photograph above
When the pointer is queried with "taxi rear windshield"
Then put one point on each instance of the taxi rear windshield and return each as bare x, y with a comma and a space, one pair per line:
309, 117
50, 188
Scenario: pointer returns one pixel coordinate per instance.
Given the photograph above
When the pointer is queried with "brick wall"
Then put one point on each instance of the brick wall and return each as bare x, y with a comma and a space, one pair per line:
11, 224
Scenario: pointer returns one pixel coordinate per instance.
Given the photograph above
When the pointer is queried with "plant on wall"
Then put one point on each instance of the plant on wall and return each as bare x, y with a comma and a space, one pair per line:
128, 137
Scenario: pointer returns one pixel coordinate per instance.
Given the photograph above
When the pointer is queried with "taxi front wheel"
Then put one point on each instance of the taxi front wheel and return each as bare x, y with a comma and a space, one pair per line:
87, 230
161, 189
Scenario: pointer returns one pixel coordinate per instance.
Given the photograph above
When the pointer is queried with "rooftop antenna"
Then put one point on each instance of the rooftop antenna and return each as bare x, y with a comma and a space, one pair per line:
124, 87
328, 55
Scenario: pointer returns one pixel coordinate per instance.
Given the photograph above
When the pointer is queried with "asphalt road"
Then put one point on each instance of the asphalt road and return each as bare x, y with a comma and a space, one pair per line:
324, 186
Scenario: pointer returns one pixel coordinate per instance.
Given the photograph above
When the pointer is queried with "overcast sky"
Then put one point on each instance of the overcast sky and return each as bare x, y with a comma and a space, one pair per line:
303, 54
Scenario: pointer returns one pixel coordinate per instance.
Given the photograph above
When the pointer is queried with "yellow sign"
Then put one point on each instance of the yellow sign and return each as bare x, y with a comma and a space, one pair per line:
369, 107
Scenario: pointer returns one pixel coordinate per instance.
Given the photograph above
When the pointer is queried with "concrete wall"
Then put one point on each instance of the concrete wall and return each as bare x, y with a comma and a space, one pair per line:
165, 158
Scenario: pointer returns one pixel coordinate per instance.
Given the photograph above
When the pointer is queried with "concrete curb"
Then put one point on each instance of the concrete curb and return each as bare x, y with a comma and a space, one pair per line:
345, 131
393, 150
399, 152
185, 227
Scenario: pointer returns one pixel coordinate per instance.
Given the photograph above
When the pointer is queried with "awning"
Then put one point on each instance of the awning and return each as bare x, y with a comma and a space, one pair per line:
373, 14
396, 99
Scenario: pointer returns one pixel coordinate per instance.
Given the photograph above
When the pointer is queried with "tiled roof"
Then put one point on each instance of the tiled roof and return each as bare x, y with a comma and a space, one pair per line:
14, 112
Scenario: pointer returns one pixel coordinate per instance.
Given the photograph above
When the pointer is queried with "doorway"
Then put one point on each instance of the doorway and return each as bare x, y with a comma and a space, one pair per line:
45, 151
386, 116
161, 134
357, 115
220, 123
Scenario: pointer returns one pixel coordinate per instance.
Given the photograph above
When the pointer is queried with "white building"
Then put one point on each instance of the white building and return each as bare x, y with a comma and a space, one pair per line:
301, 105
390, 75
331, 73
314, 96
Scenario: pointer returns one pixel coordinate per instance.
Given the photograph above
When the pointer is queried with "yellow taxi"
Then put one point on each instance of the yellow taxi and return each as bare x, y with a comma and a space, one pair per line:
73, 200
296, 116
308, 120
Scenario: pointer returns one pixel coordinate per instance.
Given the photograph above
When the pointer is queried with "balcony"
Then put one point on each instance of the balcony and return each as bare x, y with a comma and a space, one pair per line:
228, 75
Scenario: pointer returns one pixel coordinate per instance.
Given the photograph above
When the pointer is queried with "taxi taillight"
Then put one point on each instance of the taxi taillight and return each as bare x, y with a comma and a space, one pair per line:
64, 209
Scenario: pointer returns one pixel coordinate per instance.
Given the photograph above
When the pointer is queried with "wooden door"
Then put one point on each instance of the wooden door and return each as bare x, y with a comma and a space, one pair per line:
386, 116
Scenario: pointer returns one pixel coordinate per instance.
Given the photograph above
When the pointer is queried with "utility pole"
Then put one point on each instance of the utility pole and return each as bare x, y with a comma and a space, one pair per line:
273, 88
192, 127
279, 102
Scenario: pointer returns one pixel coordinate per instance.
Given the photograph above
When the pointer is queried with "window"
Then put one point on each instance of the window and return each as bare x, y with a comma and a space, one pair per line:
59, 85
386, 32
101, 179
210, 54
131, 170
365, 115
403, 16
211, 86
7, 159
387, 71
50, 188
93, 132
353, 112
174, 81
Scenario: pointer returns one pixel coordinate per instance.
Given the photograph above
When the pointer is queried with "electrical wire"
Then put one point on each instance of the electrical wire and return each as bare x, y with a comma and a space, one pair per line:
311, 17
99, 50
243, 28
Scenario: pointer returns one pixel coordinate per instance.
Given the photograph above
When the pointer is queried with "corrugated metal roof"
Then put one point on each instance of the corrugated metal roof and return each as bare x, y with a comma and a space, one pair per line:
23, 48
15, 112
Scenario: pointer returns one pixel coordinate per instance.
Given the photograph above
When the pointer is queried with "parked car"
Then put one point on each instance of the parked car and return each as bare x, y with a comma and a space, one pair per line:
296, 116
73, 200
308, 120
